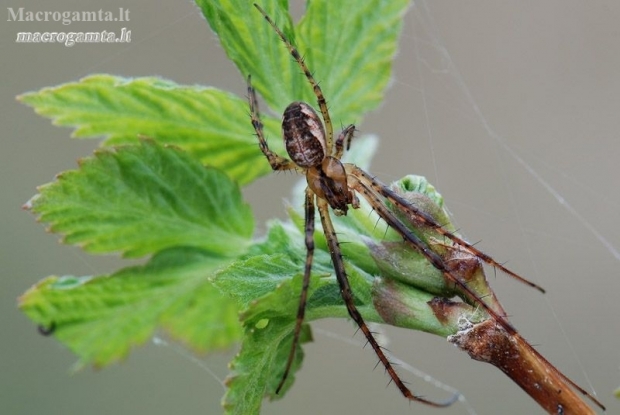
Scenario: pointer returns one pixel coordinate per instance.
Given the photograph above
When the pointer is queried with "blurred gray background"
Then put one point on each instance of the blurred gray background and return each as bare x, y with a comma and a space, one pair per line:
509, 108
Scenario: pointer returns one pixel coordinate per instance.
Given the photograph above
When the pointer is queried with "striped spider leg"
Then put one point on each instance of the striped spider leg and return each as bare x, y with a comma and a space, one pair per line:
332, 184
376, 194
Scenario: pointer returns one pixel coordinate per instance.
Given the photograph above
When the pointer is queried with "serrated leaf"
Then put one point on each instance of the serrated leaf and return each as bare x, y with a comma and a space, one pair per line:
353, 66
102, 318
368, 45
268, 286
254, 47
246, 280
210, 124
259, 365
274, 261
143, 199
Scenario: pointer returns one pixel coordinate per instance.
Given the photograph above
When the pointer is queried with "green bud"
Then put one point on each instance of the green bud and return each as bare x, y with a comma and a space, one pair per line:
422, 195
397, 260
402, 305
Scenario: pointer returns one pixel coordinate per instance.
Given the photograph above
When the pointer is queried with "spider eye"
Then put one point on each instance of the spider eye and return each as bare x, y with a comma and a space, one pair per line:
304, 135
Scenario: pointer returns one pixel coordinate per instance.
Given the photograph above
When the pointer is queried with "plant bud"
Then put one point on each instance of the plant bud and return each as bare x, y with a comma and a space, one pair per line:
402, 305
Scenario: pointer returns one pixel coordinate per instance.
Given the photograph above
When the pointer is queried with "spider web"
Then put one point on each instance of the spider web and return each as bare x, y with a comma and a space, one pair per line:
482, 106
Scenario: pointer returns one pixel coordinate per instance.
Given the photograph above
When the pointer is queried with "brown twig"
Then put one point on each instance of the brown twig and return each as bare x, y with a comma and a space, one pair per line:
512, 354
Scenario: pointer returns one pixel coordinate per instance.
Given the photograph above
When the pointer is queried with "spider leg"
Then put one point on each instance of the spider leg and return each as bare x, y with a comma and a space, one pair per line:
366, 186
416, 215
301, 310
277, 162
345, 135
320, 98
347, 296
367, 191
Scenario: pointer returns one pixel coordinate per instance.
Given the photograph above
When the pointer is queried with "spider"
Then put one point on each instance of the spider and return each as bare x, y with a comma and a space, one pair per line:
335, 185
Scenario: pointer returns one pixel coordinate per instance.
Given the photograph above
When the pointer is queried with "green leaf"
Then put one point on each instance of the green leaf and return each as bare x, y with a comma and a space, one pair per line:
281, 257
258, 368
353, 64
269, 322
211, 125
255, 48
102, 318
333, 37
267, 285
247, 280
143, 199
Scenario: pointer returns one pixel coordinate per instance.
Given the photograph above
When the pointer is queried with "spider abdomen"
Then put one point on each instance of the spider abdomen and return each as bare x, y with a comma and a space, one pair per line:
304, 135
